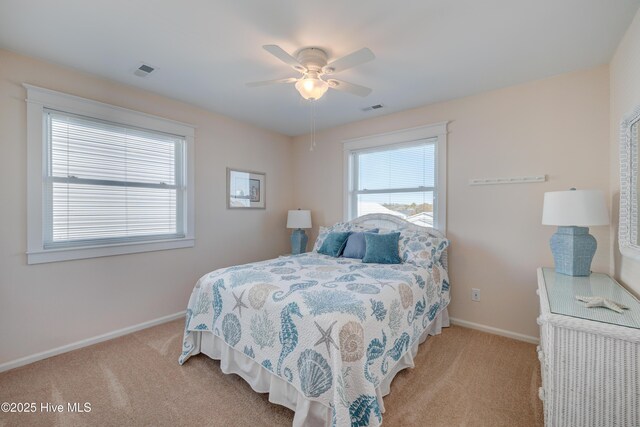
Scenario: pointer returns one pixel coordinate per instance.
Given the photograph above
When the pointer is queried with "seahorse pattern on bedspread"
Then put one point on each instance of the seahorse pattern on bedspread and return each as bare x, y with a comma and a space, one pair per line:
332, 327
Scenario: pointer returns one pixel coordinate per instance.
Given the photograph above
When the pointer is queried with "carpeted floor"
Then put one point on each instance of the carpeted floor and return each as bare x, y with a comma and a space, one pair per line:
462, 378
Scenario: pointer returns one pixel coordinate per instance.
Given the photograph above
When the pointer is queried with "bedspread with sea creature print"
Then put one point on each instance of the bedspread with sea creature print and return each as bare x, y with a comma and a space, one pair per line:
332, 327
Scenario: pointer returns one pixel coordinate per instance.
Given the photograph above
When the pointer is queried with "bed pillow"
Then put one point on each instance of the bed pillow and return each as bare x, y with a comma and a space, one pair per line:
382, 248
420, 249
323, 232
340, 226
438, 248
334, 243
356, 246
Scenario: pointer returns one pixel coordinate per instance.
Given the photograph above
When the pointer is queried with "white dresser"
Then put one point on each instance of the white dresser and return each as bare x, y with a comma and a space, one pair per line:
589, 357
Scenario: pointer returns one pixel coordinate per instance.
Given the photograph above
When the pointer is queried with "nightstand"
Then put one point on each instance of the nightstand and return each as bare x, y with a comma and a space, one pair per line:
589, 357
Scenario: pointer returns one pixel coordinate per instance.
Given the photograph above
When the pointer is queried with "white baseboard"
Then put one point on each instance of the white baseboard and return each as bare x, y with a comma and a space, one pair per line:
87, 342
495, 331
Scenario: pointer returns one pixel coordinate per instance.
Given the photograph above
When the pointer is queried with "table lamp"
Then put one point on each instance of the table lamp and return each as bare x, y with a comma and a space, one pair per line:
299, 219
573, 212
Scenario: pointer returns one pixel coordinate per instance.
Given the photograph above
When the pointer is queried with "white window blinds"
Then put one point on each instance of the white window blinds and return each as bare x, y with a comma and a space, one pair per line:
397, 180
110, 183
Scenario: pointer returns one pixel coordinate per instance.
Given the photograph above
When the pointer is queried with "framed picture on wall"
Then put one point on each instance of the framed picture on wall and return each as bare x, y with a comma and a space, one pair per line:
246, 189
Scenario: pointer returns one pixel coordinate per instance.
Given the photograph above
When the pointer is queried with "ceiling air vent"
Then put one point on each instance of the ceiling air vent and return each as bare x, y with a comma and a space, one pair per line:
373, 107
144, 70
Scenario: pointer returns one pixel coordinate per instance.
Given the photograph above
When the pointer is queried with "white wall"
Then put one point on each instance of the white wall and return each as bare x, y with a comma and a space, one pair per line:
558, 126
625, 95
49, 305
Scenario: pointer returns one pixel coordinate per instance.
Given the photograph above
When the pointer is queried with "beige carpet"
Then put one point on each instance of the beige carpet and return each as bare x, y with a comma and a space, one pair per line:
462, 378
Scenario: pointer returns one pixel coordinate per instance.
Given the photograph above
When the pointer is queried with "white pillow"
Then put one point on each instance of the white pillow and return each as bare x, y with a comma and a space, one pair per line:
322, 234
420, 248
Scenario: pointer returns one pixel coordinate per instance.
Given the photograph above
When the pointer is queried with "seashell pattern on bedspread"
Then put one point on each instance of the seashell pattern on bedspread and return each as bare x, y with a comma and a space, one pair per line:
331, 327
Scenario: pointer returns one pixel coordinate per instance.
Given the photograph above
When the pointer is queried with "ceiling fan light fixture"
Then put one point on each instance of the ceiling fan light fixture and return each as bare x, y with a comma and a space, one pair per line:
311, 62
311, 87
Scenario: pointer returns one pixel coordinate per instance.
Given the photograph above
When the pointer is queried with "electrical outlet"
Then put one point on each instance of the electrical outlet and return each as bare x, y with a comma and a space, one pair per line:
475, 294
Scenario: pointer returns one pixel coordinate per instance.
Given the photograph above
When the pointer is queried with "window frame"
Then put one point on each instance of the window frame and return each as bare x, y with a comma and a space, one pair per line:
38, 101
392, 140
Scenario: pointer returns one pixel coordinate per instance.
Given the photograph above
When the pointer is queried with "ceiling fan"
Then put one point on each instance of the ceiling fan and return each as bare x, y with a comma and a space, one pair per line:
313, 63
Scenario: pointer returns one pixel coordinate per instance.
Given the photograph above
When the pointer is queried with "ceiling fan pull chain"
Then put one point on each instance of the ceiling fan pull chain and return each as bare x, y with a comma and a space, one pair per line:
313, 114
313, 126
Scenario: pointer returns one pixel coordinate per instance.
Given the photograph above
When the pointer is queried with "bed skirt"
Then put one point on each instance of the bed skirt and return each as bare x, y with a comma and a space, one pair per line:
307, 412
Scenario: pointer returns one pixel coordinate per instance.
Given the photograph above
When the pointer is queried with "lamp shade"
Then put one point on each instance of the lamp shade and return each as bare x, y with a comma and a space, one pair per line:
581, 208
299, 219
311, 87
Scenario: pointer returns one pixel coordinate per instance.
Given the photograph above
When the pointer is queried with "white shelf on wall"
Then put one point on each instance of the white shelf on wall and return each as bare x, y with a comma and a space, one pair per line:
508, 180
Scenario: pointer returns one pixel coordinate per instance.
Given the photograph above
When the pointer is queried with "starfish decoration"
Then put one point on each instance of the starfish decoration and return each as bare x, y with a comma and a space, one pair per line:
602, 302
326, 337
239, 303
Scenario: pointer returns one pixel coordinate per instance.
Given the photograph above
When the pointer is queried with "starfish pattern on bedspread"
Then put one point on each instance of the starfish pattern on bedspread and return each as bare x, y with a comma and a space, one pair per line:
326, 337
239, 303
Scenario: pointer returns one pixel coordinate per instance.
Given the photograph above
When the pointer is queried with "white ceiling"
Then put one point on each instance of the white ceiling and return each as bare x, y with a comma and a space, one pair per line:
426, 50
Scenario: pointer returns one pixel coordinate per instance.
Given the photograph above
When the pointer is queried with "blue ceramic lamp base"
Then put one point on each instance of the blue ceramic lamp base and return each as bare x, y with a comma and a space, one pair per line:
298, 241
573, 249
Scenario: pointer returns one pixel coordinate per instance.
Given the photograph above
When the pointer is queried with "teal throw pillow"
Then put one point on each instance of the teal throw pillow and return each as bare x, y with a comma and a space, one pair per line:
334, 243
382, 248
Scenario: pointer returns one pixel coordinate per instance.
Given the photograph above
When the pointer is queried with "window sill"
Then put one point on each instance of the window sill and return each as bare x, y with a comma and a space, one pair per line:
68, 254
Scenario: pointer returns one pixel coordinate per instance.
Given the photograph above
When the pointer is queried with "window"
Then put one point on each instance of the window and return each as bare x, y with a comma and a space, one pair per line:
104, 186
401, 174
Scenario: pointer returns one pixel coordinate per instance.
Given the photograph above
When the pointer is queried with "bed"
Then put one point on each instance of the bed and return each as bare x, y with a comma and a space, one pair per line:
324, 336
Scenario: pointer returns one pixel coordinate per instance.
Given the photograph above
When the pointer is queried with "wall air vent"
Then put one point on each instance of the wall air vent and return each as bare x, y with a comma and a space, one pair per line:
143, 70
373, 107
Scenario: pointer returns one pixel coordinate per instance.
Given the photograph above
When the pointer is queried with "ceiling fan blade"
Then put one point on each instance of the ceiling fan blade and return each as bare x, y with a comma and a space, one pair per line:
283, 56
272, 82
349, 87
356, 58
